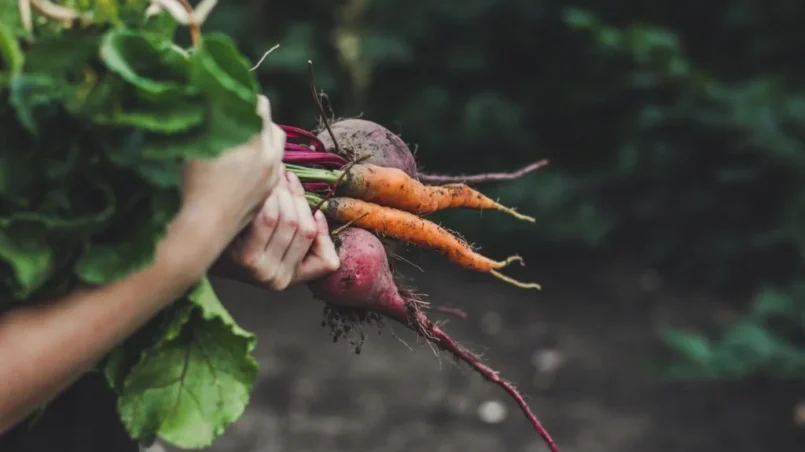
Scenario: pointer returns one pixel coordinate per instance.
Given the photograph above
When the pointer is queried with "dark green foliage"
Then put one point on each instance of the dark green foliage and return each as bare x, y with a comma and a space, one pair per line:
96, 122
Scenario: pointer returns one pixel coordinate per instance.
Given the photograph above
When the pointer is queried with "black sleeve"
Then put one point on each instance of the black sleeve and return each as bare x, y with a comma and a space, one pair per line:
82, 419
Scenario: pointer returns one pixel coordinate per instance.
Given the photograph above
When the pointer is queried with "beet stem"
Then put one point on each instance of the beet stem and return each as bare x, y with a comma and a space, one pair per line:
481, 178
435, 334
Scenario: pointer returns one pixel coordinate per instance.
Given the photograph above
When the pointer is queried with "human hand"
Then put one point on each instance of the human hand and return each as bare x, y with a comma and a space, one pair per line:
224, 194
285, 244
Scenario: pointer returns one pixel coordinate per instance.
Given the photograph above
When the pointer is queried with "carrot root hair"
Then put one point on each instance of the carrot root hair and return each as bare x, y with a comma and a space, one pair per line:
511, 211
514, 282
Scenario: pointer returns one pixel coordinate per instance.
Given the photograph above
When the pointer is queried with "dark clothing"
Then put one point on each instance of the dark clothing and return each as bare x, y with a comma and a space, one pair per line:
82, 419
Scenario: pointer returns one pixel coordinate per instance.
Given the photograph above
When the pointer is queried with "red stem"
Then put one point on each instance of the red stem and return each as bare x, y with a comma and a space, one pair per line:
316, 186
443, 340
455, 312
300, 155
301, 134
480, 178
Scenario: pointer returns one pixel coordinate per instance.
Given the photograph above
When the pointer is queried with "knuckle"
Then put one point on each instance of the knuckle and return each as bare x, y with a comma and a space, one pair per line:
249, 258
269, 219
280, 282
309, 231
266, 277
332, 265
291, 223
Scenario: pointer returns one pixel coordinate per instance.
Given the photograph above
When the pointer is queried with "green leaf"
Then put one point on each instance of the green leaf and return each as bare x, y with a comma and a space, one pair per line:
11, 56
165, 117
162, 329
148, 61
35, 96
220, 67
694, 349
222, 75
772, 302
107, 261
61, 55
30, 258
162, 23
87, 209
189, 388
126, 154
10, 18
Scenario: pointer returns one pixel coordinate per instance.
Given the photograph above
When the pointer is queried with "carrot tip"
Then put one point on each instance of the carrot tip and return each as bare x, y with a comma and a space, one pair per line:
514, 282
510, 260
517, 214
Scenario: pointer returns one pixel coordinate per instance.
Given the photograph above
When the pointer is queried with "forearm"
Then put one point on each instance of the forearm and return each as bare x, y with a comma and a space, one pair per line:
45, 347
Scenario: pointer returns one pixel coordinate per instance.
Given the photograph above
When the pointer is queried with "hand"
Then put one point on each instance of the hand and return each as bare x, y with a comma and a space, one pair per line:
225, 193
286, 244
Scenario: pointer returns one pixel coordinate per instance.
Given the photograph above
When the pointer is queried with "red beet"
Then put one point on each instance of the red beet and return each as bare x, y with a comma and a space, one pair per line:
365, 282
361, 138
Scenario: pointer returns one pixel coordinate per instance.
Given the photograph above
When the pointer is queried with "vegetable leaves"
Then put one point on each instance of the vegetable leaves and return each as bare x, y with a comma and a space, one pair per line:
194, 381
96, 121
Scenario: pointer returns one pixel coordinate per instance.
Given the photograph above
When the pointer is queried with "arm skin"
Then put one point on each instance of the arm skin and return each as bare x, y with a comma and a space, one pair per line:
44, 348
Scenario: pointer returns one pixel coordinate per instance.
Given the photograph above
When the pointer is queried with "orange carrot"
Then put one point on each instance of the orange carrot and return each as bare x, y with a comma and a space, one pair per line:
410, 228
392, 187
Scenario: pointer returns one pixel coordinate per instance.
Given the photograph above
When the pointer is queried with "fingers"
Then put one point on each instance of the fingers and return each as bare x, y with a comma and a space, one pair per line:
253, 243
306, 232
264, 108
322, 259
287, 224
324, 246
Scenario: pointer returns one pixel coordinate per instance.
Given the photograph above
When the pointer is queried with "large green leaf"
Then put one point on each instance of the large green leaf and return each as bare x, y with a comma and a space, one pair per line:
188, 388
168, 116
164, 328
221, 74
148, 61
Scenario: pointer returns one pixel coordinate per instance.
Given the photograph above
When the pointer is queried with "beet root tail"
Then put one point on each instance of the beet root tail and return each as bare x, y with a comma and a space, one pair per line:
480, 178
437, 336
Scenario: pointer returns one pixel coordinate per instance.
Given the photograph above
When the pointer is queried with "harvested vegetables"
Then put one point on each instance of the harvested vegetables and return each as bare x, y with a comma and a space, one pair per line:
99, 110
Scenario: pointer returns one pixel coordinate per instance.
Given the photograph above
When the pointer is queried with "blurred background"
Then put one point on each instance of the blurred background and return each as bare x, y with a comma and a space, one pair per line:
669, 240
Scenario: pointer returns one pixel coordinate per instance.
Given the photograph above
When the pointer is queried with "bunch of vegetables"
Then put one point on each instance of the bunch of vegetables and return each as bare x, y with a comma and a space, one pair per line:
99, 109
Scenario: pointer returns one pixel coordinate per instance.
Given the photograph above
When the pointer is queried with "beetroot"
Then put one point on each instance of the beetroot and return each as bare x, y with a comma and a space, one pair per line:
364, 279
358, 138
363, 288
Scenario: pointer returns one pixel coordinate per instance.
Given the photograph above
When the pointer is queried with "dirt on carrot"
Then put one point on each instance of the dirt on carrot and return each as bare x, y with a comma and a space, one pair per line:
408, 227
394, 188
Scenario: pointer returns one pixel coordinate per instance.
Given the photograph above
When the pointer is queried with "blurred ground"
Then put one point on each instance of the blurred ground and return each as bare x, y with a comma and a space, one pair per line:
581, 351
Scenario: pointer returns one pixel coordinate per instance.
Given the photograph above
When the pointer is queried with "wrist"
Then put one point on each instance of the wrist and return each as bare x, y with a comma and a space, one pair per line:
198, 236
